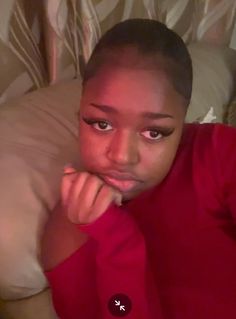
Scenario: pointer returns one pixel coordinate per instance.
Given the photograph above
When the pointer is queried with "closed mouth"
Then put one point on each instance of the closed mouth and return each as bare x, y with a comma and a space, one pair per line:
121, 176
121, 183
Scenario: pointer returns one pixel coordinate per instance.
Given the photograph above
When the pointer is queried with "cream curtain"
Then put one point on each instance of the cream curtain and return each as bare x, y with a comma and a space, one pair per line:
47, 41
22, 62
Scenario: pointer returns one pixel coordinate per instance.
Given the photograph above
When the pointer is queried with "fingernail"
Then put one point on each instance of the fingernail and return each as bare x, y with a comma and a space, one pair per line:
69, 173
69, 169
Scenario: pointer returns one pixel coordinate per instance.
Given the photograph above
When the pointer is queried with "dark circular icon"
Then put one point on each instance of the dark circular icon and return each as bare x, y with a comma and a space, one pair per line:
119, 305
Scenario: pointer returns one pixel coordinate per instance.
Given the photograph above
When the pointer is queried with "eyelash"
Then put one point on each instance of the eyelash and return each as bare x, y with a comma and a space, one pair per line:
164, 132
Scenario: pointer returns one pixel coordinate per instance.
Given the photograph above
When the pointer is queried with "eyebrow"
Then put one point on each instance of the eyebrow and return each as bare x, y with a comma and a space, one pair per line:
148, 115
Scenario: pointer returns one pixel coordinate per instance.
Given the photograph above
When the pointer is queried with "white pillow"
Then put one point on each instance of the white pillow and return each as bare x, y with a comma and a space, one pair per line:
214, 70
38, 136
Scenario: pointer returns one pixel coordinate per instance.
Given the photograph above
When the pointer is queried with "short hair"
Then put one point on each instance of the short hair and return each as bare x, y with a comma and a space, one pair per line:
155, 45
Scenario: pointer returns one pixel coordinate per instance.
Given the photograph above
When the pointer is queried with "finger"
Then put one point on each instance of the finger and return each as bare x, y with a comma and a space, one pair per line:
86, 196
74, 206
69, 175
118, 199
91, 189
105, 198
69, 169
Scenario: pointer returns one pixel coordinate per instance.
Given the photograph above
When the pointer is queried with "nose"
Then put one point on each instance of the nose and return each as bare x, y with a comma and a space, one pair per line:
123, 149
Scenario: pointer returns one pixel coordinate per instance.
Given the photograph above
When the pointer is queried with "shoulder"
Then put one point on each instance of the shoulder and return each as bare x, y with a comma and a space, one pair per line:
212, 150
209, 137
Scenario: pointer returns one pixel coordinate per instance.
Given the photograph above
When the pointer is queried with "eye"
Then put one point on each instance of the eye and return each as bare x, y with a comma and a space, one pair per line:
101, 126
153, 134
98, 125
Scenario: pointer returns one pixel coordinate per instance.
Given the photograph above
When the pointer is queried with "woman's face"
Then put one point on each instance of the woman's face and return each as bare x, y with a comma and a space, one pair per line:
130, 126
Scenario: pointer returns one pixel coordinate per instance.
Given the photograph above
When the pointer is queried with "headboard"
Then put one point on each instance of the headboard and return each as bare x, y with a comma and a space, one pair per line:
44, 42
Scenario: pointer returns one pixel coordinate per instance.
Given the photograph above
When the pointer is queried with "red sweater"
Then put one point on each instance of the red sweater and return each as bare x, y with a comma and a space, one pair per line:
171, 250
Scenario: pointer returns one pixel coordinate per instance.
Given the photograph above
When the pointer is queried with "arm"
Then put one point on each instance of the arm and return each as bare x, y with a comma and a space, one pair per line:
122, 265
60, 239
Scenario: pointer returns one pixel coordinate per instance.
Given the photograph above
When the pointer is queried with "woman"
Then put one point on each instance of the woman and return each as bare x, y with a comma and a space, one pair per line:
169, 250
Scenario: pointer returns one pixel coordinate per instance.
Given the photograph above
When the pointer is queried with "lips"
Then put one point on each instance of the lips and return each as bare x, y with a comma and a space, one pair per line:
121, 184
120, 176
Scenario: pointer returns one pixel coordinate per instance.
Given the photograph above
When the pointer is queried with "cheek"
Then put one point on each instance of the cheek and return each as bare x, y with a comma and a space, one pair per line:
158, 163
89, 147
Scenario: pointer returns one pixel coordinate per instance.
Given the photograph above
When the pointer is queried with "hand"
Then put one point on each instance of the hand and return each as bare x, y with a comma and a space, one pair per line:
85, 196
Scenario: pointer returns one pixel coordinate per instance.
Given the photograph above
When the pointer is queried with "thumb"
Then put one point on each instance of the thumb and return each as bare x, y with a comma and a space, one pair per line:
118, 199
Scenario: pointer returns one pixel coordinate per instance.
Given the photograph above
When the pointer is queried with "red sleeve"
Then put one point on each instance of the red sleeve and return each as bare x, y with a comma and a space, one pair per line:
122, 266
225, 156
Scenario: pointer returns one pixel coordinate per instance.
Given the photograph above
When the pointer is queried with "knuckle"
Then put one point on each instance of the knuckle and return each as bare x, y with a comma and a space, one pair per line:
107, 190
84, 173
82, 176
95, 179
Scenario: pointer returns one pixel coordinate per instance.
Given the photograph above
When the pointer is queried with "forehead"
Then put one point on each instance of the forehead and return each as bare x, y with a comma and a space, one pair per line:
131, 90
